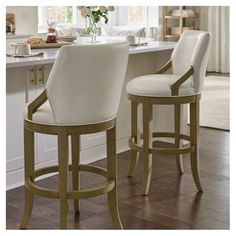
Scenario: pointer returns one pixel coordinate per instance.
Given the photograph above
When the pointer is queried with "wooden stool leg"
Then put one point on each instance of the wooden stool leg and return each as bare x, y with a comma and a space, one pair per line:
75, 145
29, 173
63, 169
111, 175
194, 129
147, 143
134, 133
179, 158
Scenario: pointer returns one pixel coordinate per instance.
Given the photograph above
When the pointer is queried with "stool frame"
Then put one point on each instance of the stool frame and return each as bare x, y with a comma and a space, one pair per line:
63, 133
148, 136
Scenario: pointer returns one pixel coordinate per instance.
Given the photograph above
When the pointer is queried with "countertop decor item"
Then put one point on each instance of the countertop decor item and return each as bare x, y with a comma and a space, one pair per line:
93, 15
25, 55
51, 36
66, 38
50, 45
52, 33
37, 42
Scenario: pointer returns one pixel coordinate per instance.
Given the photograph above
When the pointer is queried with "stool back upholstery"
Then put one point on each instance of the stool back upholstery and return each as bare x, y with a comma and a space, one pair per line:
192, 49
85, 83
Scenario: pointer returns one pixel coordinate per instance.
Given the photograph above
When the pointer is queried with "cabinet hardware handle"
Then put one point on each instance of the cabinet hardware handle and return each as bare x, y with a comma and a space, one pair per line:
42, 74
34, 75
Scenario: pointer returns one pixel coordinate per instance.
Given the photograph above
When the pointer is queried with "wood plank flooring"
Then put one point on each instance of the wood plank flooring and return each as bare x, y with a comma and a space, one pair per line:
172, 203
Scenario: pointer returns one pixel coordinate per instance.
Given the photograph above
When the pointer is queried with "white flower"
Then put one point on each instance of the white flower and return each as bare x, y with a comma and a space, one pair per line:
103, 9
89, 12
111, 8
81, 7
85, 12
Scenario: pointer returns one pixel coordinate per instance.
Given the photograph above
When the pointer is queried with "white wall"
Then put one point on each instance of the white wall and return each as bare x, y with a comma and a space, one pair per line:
26, 18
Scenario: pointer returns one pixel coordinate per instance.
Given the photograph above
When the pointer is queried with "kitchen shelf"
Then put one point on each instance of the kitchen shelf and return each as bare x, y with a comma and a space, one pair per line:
172, 36
172, 17
178, 17
175, 25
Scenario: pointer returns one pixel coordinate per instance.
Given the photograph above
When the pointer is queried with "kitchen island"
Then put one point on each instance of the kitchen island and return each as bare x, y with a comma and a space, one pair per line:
26, 78
49, 55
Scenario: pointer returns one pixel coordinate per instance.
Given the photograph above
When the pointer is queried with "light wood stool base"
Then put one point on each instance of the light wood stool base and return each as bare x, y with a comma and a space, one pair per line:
148, 136
63, 133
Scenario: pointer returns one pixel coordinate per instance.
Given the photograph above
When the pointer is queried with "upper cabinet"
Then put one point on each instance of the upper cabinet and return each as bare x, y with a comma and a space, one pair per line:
176, 19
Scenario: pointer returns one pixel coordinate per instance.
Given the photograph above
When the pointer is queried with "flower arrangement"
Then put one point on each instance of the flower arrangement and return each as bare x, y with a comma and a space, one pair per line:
94, 14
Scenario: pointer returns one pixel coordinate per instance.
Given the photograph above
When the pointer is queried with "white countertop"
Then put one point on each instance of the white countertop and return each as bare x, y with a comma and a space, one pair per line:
50, 54
17, 36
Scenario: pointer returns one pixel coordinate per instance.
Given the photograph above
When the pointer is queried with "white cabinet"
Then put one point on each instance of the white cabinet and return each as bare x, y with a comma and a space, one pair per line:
15, 105
23, 84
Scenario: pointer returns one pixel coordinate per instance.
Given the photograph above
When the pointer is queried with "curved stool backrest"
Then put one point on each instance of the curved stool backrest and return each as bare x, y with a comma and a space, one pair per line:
192, 49
85, 83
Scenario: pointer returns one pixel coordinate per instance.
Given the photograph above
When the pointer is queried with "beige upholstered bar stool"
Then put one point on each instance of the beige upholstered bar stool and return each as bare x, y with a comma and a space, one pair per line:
188, 62
81, 97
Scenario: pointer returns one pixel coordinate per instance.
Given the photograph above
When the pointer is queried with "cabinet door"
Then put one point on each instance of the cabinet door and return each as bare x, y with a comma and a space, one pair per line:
16, 98
47, 144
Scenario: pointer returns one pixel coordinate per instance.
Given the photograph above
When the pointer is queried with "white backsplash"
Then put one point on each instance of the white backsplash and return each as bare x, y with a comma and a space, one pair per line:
26, 19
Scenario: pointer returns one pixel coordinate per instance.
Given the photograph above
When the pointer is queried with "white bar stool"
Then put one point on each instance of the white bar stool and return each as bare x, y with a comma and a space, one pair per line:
82, 96
188, 62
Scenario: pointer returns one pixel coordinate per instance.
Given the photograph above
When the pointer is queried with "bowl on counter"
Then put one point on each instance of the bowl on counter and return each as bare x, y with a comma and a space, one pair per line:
67, 38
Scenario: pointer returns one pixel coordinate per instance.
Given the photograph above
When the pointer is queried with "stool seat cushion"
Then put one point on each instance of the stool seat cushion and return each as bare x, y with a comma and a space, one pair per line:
158, 85
44, 114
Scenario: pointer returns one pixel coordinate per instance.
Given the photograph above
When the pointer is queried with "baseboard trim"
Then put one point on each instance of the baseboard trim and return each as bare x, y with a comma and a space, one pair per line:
15, 178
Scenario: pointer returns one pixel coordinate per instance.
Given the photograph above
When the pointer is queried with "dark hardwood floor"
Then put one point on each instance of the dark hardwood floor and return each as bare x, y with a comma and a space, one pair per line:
218, 74
172, 203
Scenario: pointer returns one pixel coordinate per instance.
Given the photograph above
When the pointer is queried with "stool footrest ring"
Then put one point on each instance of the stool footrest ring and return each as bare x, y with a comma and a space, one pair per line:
165, 151
168, 135
169, 151
86, 193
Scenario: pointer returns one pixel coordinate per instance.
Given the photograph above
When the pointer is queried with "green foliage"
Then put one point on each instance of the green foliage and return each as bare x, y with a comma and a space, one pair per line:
98, 14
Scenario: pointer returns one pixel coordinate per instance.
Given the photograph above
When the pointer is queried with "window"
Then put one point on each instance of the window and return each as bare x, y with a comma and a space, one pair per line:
138, 15
62, 15
147, 16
